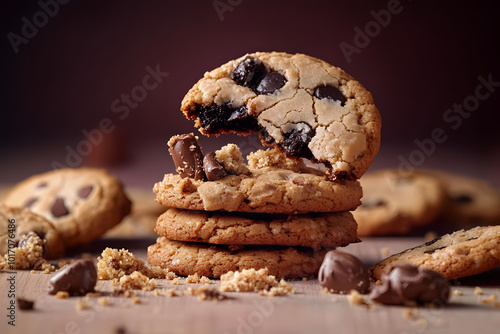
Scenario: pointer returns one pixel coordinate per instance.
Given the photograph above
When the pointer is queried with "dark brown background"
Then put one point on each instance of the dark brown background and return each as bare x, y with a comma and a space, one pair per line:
64, 80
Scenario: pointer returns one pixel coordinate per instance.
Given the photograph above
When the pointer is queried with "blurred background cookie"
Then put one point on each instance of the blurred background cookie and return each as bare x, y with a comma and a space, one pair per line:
394, 203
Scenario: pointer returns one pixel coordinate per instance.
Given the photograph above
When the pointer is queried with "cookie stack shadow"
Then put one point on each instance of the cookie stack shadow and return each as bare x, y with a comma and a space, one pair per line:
273, 213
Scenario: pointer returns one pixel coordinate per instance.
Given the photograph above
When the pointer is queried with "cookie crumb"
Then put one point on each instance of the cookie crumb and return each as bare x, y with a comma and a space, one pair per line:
205, 293
136, 281
410, 313
491, 299
304, 279
135, 300
193, 278
62, 294
457, 293
104, 301
355, 298
284, 288
205, 280
247, 280
114, 263
478, 291
231, 159
175, 281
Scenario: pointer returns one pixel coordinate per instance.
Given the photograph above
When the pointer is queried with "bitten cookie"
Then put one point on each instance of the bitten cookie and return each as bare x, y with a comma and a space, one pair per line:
17, 223
300, 104
185, 258
311, 230
270, 183
470, 200
459, 254
81, 203
394, 204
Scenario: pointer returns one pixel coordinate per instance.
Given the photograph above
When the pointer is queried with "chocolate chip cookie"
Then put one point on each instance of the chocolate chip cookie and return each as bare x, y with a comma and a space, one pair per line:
470, 201
300, 104
185, 258
393, 203
308, 230
270, 183
459, 254
17, 223
81, 203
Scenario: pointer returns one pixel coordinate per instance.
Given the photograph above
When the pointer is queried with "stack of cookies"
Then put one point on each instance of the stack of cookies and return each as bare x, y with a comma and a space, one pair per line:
276, 210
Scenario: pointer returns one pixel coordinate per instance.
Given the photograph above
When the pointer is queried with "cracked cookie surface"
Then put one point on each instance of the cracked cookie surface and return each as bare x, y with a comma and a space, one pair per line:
459, 254
300, 104
81, 203
186, 258
308, 230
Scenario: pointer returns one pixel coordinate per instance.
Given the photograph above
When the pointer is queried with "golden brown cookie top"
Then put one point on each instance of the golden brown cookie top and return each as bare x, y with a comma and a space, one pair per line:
300, 104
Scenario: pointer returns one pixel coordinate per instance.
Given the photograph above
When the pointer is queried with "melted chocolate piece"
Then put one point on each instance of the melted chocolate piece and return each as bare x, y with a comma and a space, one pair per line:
342, 272
29, 203
59, 208
249, 72
84, 192
224, 118
187, 156
271, 83
296, 142
77, 278
213, 169
330, 92
408, 283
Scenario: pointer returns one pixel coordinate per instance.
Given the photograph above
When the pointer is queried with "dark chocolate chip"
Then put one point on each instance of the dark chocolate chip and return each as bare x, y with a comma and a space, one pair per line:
296, 142
187, 156
369, 203
59, 208
434, 250
217, 119
84, 192
22, 241
249, 72
271, 83
29, 203
462, 199
77, 278
25, 304
213, 169
330, 92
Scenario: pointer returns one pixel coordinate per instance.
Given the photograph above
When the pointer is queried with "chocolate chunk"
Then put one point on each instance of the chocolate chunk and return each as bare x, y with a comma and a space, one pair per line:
77, 278
25, 304
330, 92
224, 118
249, 72
213, 169
29, 203
296, 141
84, 192
342, 272
59, 208
370, 203
187, 156
408, 283
271, 83
462, 199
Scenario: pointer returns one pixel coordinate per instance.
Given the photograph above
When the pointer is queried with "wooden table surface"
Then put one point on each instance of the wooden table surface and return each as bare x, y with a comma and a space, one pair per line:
307, 311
